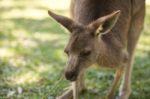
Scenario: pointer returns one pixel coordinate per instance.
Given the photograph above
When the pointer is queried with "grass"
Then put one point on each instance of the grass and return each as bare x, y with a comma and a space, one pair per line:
32, 58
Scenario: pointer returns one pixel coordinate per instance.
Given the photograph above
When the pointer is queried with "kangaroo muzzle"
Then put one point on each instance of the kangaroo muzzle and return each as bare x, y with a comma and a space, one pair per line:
72, 70
71, 75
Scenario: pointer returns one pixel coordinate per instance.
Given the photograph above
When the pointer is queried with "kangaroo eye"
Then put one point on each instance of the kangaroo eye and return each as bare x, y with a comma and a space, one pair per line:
85, 53
66, 51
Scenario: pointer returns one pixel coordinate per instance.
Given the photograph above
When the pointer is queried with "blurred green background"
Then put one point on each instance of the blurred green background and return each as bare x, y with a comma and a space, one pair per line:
32, 58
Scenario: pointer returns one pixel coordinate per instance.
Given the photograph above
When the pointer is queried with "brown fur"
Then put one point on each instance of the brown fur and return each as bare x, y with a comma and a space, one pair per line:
112, 46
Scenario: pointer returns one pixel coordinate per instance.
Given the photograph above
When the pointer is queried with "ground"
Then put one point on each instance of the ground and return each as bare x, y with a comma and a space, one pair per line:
32, 58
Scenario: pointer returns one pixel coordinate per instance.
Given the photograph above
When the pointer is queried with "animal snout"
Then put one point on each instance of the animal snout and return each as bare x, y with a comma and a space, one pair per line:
71, 75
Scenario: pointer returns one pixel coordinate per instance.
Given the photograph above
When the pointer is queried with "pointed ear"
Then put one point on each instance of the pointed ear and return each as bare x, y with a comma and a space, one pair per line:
68, 23
104, 24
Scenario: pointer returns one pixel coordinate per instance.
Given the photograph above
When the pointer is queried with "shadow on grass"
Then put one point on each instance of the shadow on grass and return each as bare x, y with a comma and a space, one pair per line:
140, 79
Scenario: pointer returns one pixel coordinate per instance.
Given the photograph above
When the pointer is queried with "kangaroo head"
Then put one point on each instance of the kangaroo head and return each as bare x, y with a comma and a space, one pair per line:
84, 41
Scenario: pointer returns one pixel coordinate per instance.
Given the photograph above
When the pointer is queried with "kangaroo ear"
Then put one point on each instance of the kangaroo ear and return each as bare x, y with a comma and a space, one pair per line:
104, 24
68, 23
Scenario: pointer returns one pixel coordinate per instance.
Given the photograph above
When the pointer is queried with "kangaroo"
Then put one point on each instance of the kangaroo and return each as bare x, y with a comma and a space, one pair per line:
102, 32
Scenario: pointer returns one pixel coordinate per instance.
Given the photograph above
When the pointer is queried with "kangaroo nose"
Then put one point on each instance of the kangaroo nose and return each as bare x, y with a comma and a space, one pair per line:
71, 75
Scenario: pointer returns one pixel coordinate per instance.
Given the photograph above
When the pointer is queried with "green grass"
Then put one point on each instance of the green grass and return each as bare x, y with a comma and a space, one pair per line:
32, 58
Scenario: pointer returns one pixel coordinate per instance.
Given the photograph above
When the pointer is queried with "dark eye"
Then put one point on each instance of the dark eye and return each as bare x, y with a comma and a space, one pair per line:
85, 53
66, 51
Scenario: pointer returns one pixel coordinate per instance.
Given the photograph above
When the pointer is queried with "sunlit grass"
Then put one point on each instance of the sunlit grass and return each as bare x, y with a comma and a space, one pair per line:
148, 2
31, 53
5, 52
